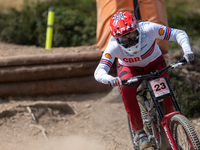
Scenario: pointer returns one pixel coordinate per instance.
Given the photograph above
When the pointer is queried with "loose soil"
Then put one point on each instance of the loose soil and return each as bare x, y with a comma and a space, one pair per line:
94, 121
89, 121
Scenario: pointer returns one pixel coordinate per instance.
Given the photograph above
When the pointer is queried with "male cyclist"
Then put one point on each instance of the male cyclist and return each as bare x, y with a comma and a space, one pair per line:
134, 44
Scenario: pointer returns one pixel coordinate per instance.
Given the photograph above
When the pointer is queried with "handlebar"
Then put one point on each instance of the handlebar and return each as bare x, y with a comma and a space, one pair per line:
129, 81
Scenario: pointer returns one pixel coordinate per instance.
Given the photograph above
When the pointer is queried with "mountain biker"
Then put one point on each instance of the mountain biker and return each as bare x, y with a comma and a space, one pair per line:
134, 44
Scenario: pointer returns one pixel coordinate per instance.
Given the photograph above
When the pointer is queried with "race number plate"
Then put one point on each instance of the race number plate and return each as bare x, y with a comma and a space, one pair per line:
159, 87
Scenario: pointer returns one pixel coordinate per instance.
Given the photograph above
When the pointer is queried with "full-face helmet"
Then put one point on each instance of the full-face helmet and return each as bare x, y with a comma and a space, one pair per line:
124, 28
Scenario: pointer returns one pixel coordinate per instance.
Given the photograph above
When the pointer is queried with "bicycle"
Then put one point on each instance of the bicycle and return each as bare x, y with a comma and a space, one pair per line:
170, 131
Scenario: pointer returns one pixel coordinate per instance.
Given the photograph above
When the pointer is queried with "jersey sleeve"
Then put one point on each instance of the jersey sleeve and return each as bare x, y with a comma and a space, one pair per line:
103, 68
154, 30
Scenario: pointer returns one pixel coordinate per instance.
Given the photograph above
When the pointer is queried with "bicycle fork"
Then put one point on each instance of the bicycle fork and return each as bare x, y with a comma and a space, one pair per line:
165, 122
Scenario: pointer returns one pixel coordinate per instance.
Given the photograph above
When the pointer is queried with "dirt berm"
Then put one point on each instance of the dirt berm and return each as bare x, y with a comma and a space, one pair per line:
90, 121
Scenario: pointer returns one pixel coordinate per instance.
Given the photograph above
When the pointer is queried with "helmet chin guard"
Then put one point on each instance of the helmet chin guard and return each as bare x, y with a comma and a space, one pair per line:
133, 50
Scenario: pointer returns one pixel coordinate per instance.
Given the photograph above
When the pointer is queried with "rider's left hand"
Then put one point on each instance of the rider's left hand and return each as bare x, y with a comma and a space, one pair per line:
189, 56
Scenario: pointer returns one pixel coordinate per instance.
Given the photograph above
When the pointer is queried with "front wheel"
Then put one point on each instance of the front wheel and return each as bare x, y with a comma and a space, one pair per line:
184, 133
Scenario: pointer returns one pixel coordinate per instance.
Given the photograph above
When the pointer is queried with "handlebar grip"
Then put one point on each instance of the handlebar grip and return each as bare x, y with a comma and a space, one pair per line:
183, 60
124, 81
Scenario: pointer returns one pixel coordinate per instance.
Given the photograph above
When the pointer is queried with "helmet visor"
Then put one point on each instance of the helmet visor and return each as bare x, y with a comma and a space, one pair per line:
129, 39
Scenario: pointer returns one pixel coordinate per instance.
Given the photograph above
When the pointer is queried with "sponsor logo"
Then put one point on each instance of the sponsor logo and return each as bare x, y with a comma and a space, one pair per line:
118, 17
107, 55
131, 60
161, 31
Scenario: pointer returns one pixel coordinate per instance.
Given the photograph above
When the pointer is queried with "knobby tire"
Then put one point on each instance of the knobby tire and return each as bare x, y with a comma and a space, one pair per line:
183, 132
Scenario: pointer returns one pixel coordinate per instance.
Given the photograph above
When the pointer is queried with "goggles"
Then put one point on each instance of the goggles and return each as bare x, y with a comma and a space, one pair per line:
125, 39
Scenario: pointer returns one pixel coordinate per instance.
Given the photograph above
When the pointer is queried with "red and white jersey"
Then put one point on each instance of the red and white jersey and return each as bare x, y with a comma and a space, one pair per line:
149, 49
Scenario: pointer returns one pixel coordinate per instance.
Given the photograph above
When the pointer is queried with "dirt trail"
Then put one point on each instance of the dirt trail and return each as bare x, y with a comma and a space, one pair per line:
96, 121
87, 122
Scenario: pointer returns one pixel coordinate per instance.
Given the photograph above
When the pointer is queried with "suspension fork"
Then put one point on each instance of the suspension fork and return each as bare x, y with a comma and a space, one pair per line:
165, 123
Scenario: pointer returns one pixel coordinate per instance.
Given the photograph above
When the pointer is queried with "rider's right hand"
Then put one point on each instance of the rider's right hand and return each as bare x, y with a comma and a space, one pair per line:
115, 81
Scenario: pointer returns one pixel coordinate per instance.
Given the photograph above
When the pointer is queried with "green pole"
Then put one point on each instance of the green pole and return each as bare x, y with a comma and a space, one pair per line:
49, 33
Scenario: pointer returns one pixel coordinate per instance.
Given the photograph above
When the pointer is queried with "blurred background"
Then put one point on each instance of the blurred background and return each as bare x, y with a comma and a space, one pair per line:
24, 22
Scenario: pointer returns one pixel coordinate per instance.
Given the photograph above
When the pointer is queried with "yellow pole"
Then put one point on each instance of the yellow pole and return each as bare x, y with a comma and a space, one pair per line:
49, 33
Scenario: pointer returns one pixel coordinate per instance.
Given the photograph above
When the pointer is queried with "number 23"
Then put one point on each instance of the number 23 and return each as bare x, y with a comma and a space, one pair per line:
160, 87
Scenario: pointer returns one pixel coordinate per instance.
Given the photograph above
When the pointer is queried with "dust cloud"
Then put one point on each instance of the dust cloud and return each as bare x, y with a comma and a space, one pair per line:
70, 143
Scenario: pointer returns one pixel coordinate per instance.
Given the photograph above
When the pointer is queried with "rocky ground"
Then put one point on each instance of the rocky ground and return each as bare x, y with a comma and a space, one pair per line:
66, 122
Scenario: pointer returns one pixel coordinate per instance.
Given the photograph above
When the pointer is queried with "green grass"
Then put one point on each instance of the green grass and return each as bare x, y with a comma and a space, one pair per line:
75, 22
185, 15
